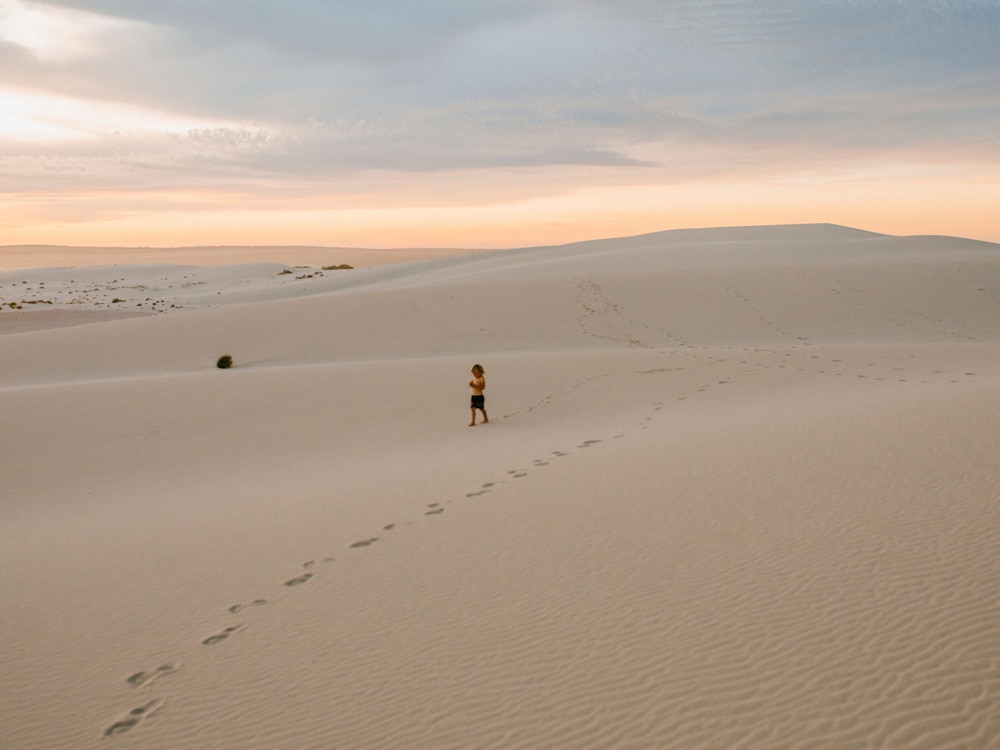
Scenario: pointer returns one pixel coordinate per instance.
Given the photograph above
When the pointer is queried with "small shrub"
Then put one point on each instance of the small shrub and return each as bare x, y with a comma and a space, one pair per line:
225, 362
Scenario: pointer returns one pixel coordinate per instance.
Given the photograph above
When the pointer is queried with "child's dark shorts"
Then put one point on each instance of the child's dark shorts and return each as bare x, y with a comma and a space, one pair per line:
478, 402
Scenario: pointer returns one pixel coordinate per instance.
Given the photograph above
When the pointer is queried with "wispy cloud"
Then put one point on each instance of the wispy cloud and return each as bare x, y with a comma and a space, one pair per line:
109, 95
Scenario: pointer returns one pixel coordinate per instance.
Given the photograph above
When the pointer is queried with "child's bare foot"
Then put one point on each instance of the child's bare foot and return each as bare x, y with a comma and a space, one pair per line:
472, 424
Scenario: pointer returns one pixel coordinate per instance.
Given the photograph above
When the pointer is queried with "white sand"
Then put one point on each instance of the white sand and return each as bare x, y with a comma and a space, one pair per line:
740, 489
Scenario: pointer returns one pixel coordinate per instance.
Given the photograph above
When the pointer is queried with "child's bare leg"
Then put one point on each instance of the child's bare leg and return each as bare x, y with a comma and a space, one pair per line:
485, 418
473, 422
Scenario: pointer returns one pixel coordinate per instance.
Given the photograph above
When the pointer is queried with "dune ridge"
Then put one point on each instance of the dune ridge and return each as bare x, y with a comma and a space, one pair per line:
739, 489
14, 257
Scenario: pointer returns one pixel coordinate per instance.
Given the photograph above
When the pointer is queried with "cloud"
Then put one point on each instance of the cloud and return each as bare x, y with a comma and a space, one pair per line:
150, 93
52, 34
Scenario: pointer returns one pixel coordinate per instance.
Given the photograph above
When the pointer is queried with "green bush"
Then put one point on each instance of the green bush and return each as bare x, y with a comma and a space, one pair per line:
225, 362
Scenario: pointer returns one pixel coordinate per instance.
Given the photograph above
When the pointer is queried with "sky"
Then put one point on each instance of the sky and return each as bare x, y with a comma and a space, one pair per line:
492, 123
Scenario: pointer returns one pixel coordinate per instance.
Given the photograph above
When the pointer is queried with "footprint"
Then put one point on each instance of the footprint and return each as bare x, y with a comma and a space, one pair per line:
298, 579
475, 494
434, 512
487, 485
522, 474
237, 608
220, 637
132, 719
365, 542
142, 678
308, 564
587, 443
389, 527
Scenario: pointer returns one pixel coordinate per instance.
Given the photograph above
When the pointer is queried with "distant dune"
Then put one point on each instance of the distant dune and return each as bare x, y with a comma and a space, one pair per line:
738, 489
14, 257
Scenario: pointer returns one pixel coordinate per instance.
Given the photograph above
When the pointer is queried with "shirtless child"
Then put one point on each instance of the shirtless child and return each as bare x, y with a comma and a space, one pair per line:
478, 385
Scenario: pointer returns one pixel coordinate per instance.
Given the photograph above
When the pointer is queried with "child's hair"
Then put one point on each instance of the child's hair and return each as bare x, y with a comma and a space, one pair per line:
478, 369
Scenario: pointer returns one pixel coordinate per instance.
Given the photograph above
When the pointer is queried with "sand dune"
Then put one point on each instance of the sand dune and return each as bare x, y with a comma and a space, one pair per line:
16, 257
739, 489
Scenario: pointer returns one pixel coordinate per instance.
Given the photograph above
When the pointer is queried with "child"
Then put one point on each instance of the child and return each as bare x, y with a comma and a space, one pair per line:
478, 385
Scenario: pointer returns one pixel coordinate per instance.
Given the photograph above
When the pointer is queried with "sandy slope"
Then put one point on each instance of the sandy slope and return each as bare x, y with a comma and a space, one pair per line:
739, 490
